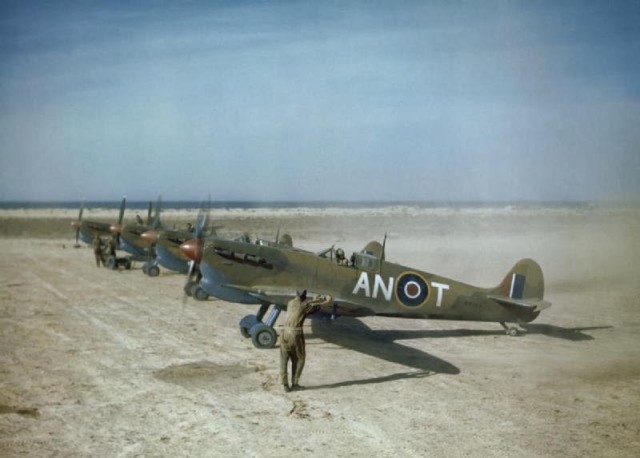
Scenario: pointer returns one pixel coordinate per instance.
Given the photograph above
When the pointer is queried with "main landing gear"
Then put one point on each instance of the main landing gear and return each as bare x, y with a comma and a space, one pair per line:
151, 269
114, 263
262, 333
193, 289
511, 330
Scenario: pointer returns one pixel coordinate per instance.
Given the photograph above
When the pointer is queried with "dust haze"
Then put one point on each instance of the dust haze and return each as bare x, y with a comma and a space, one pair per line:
103, 363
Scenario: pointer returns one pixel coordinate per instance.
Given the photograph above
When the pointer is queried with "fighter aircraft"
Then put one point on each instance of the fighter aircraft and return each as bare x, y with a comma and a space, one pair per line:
367, 285
129, 237
167, 247
193, 250
86, 230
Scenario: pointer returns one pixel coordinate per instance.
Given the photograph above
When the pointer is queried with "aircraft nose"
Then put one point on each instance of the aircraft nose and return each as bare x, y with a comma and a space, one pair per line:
115, 229
150, 236
191, 249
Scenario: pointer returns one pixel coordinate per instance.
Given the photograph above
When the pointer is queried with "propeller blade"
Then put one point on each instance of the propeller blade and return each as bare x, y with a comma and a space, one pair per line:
156, 218
76, 224
149, 214
201, 223
187, 285
122, 205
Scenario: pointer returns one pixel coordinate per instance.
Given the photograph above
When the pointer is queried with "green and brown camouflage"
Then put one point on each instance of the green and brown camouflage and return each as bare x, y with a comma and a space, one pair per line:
368, 285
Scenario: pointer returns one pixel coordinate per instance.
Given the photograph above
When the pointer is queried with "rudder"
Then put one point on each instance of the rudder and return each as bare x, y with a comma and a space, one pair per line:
524, 281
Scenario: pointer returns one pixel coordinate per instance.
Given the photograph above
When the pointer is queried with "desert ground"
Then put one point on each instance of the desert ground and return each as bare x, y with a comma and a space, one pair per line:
101, 363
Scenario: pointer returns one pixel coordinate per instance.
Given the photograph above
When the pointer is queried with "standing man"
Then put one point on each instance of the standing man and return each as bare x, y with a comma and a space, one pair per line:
112, 246
292, 337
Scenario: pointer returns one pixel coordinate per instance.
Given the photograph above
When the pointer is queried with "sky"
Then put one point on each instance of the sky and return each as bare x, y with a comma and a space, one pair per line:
320, 100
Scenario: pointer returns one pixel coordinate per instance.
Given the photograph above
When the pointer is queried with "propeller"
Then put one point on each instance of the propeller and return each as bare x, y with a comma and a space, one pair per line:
156, 223
78, 223
117, 228
151, 236
194, 248
149, 214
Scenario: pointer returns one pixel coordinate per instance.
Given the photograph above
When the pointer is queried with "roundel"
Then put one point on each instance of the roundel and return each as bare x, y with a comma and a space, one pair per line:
412, 289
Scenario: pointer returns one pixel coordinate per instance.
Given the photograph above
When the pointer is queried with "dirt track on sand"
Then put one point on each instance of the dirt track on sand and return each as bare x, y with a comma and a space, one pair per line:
101, 363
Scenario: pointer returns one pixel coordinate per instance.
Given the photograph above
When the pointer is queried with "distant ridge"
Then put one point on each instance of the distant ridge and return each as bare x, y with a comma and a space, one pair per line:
190, 204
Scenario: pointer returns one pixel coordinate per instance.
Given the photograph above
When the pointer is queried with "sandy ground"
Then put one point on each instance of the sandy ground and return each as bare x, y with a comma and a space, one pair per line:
101, 363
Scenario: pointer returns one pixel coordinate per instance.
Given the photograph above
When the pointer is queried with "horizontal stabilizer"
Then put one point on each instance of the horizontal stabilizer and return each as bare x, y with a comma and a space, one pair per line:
534, 305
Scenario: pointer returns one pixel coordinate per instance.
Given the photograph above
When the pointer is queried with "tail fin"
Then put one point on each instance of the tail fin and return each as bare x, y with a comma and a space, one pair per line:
524, 281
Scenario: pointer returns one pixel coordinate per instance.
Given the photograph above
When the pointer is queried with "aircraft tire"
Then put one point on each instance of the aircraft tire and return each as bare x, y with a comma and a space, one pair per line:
263, 336
128, 264
153, 271
246, 323
199, 294
112, 263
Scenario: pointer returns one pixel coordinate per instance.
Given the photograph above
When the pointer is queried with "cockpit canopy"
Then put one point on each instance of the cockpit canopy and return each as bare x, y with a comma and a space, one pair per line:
369, 257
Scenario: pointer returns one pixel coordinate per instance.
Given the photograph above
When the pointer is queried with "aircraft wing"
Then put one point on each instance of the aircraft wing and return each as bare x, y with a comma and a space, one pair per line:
273, 296
283, 296
534, 305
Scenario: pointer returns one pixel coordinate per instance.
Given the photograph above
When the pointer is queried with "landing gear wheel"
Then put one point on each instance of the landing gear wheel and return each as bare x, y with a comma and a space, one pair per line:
263, 336
199, 294
153, 270
246, 323
112, 263
128, 264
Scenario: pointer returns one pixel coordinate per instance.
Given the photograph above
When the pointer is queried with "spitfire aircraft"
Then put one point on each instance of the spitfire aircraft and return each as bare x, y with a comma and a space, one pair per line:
193, 249
129, 237
166, 243
86, 230
367, 285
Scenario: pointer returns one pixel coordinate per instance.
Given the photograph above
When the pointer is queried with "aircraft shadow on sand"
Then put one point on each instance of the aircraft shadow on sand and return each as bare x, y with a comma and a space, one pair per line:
549, 330
575, 334
354, 335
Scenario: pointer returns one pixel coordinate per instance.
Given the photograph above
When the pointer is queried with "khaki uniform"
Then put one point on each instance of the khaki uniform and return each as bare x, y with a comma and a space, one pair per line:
112, 246
292, 346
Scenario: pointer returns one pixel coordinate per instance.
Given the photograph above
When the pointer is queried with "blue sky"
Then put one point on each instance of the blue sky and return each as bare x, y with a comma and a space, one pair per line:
322, 100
